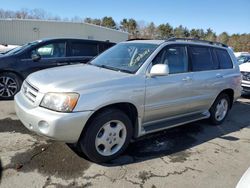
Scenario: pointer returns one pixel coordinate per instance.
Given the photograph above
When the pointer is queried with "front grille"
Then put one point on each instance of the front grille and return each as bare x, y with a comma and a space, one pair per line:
246, 76
29, 91
247, 89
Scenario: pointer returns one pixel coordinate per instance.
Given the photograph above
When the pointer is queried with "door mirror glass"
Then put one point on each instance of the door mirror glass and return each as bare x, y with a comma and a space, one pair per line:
35, 57
159, 70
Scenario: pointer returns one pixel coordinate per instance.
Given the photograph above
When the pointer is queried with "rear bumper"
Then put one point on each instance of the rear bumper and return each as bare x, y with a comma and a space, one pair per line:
66, 127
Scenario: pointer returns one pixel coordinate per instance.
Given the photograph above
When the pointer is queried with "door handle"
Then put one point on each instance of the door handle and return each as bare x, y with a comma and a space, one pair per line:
187, 79
219, 76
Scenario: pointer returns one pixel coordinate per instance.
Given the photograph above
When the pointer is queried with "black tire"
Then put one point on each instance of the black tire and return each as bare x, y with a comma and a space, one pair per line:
88, 138
13, 79
77, 149
212, 110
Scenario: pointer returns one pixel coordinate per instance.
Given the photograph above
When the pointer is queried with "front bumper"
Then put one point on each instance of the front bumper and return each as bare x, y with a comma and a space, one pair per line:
66, 127
245, 85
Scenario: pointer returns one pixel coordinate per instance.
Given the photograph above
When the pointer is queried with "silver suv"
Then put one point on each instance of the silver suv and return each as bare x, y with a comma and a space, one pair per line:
132, 89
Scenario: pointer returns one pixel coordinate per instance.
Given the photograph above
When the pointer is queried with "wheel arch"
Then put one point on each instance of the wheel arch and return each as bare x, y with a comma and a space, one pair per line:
128, 108
14, 72
230, 93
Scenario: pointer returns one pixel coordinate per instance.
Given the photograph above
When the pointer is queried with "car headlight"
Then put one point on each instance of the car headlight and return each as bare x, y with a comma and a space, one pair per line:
61, 102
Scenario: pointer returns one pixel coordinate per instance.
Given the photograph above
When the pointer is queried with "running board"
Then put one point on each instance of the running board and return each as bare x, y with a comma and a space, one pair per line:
175, 122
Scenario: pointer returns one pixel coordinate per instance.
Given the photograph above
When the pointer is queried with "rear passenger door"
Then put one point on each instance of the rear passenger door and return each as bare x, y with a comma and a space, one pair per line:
207, 76
82, 51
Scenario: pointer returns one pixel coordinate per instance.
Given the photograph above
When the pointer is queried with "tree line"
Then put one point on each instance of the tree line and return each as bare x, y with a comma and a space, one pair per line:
239, 42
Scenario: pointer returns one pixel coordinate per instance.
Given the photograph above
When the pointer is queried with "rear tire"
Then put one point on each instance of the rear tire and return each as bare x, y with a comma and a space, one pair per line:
106, 136
220, 109
10, 84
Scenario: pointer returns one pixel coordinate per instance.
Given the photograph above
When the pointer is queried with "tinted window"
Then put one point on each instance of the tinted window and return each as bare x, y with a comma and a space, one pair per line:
83, 49
104, 46
175, 57
224, 59
201, 58
51, 50
215, 59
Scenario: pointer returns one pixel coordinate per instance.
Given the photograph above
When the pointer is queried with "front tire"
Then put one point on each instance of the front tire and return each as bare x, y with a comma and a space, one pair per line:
220, 109
10, 84
106, 136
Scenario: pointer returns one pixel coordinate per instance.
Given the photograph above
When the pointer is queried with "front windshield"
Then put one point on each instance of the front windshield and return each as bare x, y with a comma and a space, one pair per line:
20, 48
126, 57
243, 59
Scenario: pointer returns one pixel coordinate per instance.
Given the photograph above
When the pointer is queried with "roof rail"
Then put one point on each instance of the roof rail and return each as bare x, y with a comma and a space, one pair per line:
197, 40
137, 39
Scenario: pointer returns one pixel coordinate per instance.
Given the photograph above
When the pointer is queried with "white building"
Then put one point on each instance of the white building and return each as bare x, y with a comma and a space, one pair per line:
18, 32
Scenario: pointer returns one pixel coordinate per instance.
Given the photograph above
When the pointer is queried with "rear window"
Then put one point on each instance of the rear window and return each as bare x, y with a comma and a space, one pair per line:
201, 58
224, 59
83, 49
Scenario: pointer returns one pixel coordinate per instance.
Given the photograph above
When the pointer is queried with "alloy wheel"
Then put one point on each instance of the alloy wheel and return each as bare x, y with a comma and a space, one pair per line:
8, 87
221, 109
110, 138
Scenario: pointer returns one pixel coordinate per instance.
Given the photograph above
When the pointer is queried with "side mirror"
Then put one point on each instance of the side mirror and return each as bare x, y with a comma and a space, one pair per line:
35, 57
159, 70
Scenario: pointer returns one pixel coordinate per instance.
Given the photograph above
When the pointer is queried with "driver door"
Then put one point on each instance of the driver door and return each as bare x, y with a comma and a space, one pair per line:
169, 96
51, 55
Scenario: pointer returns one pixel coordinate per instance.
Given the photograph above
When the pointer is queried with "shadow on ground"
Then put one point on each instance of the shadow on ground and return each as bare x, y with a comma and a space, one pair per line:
54, 158
246, 96
45, 156
9, 125
174, 142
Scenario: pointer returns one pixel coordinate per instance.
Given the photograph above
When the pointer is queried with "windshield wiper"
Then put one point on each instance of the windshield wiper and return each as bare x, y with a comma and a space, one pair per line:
107, 67
112, 68
126, 71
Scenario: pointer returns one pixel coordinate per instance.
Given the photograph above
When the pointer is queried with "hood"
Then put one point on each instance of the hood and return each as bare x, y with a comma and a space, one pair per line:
72, 78
4, 57
245, 67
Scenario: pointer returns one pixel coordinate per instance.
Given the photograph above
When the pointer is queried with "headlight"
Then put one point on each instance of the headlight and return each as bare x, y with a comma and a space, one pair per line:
61, 102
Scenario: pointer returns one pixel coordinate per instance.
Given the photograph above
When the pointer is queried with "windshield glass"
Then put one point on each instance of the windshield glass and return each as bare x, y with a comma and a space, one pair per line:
243, 58
19, 49
126, 57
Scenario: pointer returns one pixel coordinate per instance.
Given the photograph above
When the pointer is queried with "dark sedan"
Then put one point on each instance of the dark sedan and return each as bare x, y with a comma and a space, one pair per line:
18, 63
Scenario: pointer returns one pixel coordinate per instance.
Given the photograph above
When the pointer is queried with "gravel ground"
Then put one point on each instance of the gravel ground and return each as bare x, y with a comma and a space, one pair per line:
193, 155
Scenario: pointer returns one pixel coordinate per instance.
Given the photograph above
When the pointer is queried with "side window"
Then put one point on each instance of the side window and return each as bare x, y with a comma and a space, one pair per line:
175, 57
51, 50
83, 49
215, 59
201, 58
101, 48
224, 59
